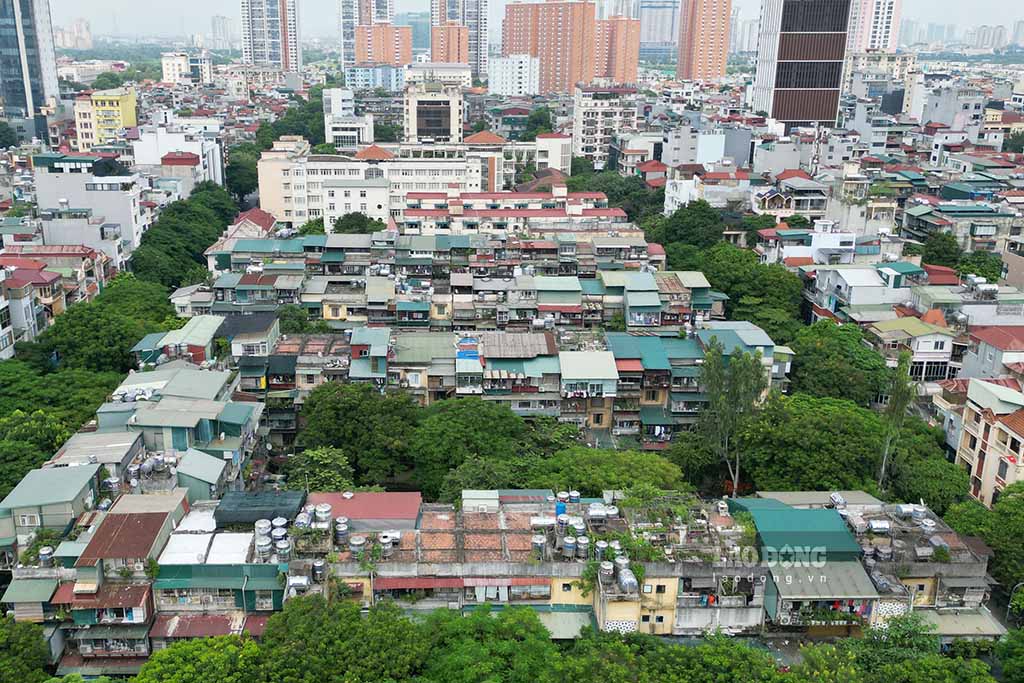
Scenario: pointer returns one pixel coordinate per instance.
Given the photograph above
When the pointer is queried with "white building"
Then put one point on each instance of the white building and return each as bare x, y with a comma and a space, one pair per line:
69, 181
874, 25
514, 76
271, 37
154, 142
687, 145
599, 114
473, 14
63, 225
373, 76
439, 72
342, 128
182, 68
432, 112
6, 327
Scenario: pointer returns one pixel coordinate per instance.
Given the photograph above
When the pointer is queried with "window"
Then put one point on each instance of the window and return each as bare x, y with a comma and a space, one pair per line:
28, 520
939, 345
598, 418
648, 588
651, 395
659, 620
566, 587
646, 618
660, 588
972, 442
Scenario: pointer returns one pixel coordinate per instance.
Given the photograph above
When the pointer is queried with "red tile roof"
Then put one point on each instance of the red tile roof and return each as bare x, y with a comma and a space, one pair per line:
485, 137
552, 136
259, 217
941, 275
656, 182
935, 317
655, 249
374, 153
113, 595
256, 624
1003, 337
191, 626
123, 536
629, 365
179, 159
390, 505
1015, 421
653, 165
797, 261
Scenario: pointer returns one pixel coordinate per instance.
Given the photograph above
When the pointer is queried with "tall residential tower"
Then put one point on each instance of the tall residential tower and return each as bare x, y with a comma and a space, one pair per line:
270, 34
703, 39
473, 15
28, 70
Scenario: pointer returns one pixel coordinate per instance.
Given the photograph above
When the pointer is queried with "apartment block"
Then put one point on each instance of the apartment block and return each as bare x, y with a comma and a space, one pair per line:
561, 34
514, 76
703, 39
383, 44
102, 116
617, 49
449, 43
433, 113
271, 34
600, 114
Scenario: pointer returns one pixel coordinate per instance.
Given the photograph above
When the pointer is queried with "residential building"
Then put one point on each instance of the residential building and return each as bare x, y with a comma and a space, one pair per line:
433, 112
799, 79
383, 44
976, 225
874, 25
473, 15
182, 68
271, 34
35, 296
203, 476
686, 145
703, 39
445, 73
617, 49
30, 69
659, 22
995, 351
374, 76
560, 33
827, 243
599, 114
6, 327
49, 498
449, 43
154, 142
991, 437
342, 128
64, 181
514, 76
837, 292
930, 346
102, 116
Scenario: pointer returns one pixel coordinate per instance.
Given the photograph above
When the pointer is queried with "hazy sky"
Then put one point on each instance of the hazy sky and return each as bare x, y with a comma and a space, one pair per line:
318, 17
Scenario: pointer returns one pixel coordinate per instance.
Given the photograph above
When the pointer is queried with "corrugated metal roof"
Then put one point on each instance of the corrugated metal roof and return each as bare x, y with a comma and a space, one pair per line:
29, 590
845, 580
201, 466
50, 486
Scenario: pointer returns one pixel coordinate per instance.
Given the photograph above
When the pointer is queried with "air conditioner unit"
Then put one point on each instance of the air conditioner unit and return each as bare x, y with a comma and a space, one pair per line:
785, 620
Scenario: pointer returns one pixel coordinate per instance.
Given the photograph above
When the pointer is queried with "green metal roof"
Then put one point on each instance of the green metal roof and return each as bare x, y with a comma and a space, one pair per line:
235, 413
243, 507
269, 246
901, 267
642, 299
29, 590
650, 350
655, 415
558, 284
201, 466
782, 527
133, 631
412, 306
50, 486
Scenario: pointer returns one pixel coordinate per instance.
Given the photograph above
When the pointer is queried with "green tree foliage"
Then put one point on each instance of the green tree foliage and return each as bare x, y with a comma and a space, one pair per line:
386, 132
901, 392
768, 296
696, 224
357, 224
941, 249
69, 396
313, 641
324, 148
509, 647
107, 81
372, 429
630, 194
832, 360
314, 226
683, 256
98, 335
8, 138
1001, 528
320, 469
1010, 652
593, 470
241, 178
1014, 143
806, 442
226, 659
987, 264
303, 117
23, 652
172, 250
539, 121
293, 319
454, 430
734, 387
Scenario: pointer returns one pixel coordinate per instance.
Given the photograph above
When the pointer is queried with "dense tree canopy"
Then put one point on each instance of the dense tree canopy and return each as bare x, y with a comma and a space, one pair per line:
320, 469
696, 224
833, 361
23, 652
226, 659
1002, 527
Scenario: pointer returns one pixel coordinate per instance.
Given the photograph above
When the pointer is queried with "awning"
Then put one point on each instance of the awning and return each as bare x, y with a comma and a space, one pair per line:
128, 631
414, 582
513, 581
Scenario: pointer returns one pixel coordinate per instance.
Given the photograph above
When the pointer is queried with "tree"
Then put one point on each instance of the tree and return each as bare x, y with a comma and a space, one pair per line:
8, 138
697, 223
479, 126
734, 387
581, 166
901, 392
539, 121
1010, 651
1014, 143
324, 148
373, 430
982, 263
776, 293
832, 360
617, 323
336, 643
314, 226
108, 80
226, 659
592, 471
241, 178
941, 249
796, 221
452, 431
293, 319
511, 646
320, 469
682, 256
386, 132
23, 652
357, 223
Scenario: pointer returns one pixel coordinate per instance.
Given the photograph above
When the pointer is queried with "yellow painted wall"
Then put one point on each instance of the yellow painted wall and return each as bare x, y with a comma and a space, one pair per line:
925, 596
571, 597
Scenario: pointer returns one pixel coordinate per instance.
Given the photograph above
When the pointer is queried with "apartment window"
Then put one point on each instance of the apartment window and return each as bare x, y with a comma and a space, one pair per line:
660, 588
1014, 445
659, 620
28, 520
646, 618
648, 588
1003, 467
566, 587
972, 442
598, 418
940, 345
650, 395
